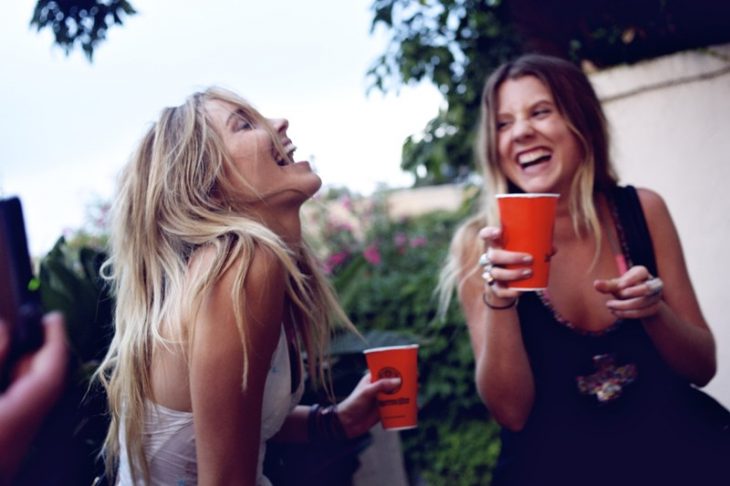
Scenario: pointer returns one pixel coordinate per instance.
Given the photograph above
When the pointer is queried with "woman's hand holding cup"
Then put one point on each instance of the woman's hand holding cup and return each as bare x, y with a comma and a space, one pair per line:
494, 272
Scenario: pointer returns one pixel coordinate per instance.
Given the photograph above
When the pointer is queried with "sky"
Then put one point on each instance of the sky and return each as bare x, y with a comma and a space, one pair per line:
68, 126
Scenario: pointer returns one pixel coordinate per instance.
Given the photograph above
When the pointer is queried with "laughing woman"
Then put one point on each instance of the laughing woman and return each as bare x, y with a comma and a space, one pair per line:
217, 298
592, 380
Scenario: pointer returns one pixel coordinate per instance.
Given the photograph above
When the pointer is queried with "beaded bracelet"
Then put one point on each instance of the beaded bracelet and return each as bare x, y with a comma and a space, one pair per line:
323, 424
498, 307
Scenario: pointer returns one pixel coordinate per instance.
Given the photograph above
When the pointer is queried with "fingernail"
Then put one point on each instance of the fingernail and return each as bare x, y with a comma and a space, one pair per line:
526, 272
527, 259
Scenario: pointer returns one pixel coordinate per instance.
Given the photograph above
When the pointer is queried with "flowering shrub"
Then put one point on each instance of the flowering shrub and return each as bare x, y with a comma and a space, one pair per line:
334, 229
372, 254
385, 272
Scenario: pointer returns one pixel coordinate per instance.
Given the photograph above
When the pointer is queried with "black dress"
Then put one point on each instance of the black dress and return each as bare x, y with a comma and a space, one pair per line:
608, 410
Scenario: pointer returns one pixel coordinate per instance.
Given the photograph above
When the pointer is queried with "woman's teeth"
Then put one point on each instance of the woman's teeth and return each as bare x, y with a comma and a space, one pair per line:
532, 158
281, 160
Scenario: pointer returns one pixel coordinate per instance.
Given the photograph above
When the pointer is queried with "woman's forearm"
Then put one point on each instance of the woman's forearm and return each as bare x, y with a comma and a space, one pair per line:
504, 377
688, 349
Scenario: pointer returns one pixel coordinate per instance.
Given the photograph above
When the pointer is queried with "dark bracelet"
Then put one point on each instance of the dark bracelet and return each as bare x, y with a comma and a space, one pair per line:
498, 307
323, 424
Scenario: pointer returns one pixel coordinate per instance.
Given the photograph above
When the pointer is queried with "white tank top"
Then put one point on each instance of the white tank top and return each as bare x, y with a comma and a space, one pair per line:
169, 435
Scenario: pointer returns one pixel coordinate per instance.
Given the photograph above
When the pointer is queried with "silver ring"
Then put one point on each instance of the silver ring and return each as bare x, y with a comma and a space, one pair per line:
487, 266
484, 260
655, 286
488, 277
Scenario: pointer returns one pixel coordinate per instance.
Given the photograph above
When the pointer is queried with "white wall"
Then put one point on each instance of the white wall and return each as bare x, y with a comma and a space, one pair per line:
670, 121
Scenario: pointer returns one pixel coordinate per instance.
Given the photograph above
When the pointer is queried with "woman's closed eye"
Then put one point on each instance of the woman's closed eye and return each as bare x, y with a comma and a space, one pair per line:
502, 124
242, 124
241, 121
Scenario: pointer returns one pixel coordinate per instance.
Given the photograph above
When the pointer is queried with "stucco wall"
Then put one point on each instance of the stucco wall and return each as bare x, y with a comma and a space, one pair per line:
670, 121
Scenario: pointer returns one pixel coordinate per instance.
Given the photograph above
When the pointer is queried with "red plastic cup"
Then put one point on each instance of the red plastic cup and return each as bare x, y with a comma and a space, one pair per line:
527, 227
398, 409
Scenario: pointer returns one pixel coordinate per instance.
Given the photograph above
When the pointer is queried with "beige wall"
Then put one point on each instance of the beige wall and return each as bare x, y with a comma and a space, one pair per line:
670, 121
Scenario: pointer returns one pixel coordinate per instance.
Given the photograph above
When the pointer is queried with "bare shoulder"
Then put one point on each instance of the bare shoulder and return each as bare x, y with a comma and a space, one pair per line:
263, 288
661, 226
652, 203
264, 271
253, 287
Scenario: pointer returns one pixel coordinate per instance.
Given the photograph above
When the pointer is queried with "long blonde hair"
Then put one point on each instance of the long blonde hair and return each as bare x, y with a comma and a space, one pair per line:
173, 198
576, 100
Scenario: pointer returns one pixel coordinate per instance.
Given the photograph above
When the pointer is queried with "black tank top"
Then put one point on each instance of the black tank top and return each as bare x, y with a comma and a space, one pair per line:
608, 409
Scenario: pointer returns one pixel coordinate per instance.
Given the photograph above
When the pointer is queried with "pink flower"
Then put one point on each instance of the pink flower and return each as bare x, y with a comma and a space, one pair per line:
400, 240
418, 241
334, 260
372, 254
346, 202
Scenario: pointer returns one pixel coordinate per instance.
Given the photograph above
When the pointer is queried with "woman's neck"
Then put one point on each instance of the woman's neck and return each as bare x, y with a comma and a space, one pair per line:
564, 226
287, 225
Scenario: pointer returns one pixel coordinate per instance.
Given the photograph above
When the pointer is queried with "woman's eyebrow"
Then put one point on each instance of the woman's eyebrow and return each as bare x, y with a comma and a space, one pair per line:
542, 101
531, 106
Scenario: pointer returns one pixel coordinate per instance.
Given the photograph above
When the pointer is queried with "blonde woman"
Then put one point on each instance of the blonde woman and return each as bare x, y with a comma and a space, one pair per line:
592, 380
217, 298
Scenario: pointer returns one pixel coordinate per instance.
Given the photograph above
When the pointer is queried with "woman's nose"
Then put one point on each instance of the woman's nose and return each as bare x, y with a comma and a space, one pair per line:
522, 128
279, 124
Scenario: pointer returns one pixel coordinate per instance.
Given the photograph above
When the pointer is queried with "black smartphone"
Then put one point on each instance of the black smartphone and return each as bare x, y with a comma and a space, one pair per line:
20, 303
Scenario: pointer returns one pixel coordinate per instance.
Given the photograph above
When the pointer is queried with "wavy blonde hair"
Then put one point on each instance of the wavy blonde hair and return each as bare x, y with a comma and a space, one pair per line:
173, 198
577, 102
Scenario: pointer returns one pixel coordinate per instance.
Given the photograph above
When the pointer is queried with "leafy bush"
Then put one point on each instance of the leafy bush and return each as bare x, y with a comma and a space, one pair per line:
385, 273
71, 283
71, 438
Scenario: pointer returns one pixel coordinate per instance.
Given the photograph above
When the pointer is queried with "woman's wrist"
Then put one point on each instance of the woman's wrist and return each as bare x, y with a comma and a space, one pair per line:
324, 425
496, 303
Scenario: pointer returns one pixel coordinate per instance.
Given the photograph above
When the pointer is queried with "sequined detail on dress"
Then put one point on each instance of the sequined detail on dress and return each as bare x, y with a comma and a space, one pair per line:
609, 381
623, 261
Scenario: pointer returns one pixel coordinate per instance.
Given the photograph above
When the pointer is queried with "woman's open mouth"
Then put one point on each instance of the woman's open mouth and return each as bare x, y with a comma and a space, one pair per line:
289, 149
533, 157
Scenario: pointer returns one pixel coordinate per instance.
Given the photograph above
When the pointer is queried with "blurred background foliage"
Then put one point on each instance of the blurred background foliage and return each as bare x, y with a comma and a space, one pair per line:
455, 44
80, 23
385, 271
